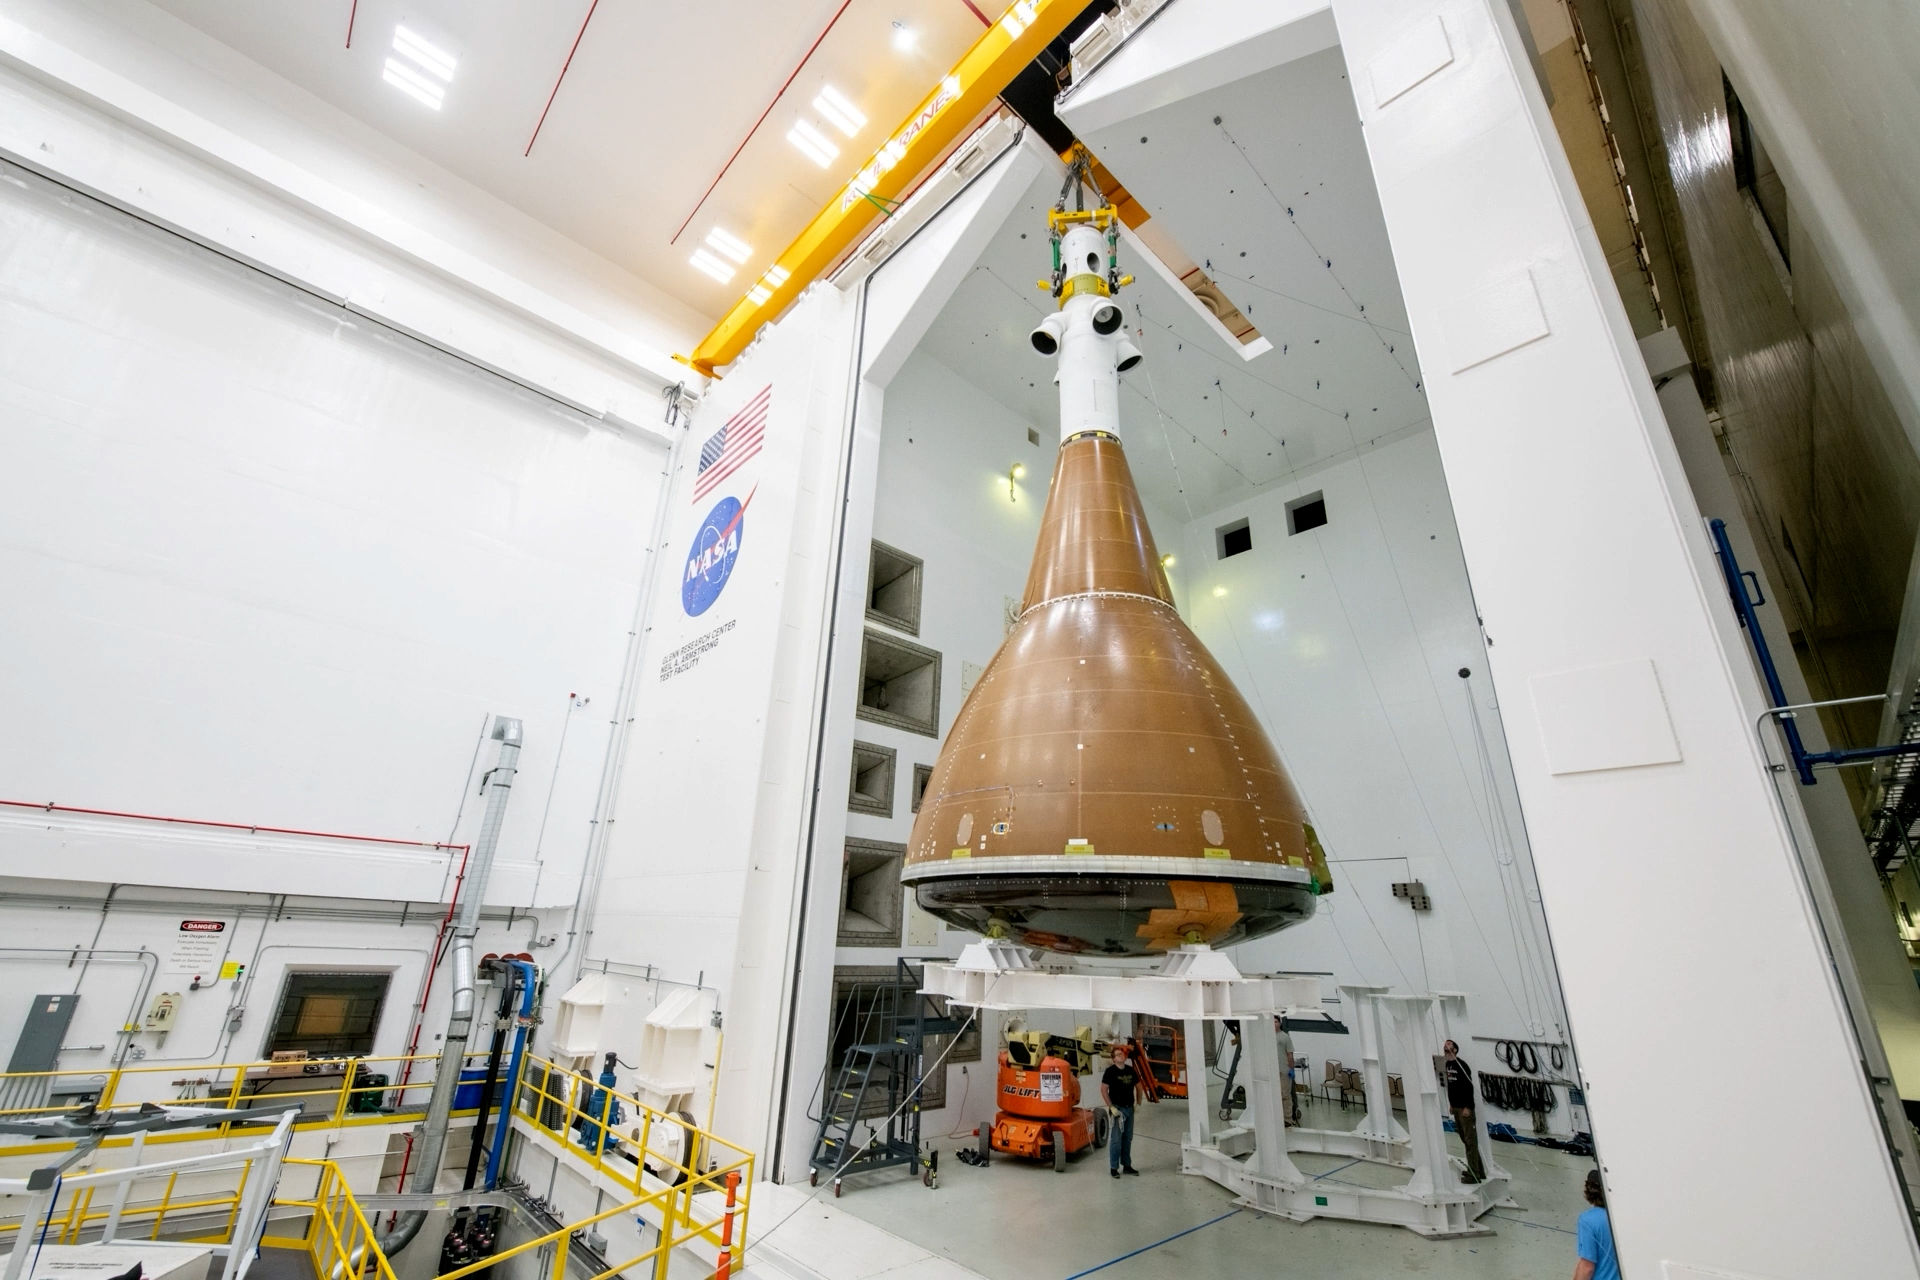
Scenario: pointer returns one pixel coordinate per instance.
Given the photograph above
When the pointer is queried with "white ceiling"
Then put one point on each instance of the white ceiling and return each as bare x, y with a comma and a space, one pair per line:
657, 98
1204, 427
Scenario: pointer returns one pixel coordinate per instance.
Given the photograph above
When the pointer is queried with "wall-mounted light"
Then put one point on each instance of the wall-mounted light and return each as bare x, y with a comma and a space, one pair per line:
903, 38
1166, 561
1015, 472
1218, 592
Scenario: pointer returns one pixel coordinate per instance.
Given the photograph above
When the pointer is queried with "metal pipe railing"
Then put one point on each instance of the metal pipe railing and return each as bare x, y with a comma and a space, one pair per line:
1783, 712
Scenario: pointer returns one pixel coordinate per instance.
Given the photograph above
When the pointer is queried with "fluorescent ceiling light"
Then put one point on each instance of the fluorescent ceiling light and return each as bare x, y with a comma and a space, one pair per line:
432, 58
708, 264
1019, 17
812, 143
732, 246
840, 113
413, 84
763, 288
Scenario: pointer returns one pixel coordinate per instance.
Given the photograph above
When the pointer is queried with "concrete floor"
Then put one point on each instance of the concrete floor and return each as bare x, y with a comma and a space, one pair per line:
1019, 1221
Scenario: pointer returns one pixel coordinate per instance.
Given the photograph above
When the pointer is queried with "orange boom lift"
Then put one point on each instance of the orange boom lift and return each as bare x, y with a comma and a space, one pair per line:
1040, 1114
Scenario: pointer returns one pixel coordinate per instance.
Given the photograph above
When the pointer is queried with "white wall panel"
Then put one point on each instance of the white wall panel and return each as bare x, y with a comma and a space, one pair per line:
1348, 639
704, 870
265, 564
1682, 923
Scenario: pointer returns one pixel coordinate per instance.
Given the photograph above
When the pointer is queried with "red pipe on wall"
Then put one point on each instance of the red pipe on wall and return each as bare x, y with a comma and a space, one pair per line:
49, 806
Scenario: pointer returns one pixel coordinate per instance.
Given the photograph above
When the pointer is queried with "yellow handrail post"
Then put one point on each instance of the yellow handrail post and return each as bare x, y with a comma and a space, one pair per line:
166, 1198
246, 1171
233, 1096
346, 1090
112, 1088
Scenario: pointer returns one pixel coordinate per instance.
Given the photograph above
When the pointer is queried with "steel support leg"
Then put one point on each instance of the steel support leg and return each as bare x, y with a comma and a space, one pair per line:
1199, 1123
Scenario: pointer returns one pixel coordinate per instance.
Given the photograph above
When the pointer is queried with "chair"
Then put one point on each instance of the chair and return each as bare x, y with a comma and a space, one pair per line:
1352, 1086
1330, 1081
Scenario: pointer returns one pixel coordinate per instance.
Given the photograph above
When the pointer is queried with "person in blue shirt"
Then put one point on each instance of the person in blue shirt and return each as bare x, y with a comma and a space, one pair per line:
1597, 1260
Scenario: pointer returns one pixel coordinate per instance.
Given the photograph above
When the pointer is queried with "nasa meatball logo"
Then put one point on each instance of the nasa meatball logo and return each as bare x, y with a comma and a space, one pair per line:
710, 560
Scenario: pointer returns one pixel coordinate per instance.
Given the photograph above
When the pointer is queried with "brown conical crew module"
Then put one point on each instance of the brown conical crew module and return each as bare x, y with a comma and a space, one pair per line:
1105, 789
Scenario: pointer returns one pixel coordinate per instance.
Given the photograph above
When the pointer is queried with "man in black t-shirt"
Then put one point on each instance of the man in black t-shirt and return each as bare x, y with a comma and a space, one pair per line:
1459, 1081
1116, 1090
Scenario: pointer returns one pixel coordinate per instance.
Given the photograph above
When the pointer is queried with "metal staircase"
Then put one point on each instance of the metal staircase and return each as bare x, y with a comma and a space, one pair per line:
878, 1081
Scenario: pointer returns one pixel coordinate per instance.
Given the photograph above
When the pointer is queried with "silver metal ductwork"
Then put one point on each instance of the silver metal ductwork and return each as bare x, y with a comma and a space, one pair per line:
498, 785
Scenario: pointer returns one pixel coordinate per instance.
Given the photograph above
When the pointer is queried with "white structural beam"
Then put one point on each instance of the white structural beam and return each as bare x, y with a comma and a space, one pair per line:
1193, 983
1681, 916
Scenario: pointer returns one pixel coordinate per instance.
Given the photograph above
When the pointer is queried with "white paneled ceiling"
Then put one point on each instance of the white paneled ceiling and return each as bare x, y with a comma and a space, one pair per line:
1263, 182
656, 100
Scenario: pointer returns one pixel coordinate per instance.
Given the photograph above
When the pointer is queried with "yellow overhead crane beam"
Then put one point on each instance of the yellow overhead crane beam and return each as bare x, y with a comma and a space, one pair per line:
1001, 52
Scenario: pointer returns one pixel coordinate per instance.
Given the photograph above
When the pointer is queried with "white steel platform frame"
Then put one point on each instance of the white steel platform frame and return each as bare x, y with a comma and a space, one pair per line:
1196, 984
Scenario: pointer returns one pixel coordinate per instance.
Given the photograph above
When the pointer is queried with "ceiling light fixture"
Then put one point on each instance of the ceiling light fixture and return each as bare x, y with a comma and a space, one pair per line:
763, 288
732, 246
903, 37
422, 71
840, 113
1016, 19
431, 57
707, 264
413, 84
812, 143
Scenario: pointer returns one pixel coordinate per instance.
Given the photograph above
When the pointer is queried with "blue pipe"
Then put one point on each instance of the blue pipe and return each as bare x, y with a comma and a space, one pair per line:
512, 1089
1743, 603
1803, 760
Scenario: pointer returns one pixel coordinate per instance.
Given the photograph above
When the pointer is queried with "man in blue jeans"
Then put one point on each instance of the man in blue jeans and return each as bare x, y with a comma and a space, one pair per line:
1116, 1090
1597, 1260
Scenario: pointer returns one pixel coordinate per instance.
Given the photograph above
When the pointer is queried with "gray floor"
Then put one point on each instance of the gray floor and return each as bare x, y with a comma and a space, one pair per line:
1019, 1221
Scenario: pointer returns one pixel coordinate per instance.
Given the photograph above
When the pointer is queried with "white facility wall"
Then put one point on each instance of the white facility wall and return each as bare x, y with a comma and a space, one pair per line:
1348, 640
269, 564
704, 873
53, 925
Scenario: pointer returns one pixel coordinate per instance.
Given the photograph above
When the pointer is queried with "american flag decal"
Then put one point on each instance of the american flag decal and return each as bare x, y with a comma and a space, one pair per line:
728, 449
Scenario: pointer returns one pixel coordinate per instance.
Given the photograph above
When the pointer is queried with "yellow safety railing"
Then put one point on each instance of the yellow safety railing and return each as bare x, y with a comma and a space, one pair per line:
339, 1239
248, 1084
698, 1188
552, 1100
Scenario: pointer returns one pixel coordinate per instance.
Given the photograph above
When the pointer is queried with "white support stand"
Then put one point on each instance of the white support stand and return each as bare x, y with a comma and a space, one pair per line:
1196, 984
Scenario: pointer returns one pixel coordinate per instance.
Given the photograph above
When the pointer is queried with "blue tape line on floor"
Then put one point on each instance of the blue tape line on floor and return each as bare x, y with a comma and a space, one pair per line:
1155, 1245
1538, 1226
1337, 1168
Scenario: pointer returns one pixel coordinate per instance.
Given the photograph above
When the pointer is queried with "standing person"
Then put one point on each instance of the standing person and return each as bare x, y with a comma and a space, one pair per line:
1597, 1259
1285, 1043
1116, 1090
1459, 1080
